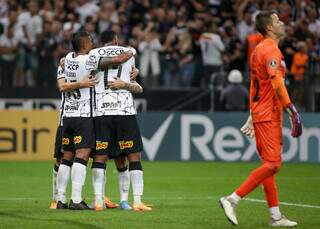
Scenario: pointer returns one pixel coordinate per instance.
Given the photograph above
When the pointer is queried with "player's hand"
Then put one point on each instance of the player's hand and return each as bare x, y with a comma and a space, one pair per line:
247, 129
295, 120
88, 81
117, 83
134, 73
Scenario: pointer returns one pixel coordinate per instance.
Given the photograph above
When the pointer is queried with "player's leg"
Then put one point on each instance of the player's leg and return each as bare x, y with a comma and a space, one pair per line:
63, 178
124, 182
269, 147
98, 180
83, 141
130, 144
103, 134
58, 156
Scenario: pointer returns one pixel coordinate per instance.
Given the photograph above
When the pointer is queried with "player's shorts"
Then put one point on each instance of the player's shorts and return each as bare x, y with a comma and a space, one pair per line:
269, 140
78, 133
117, 135
58, 143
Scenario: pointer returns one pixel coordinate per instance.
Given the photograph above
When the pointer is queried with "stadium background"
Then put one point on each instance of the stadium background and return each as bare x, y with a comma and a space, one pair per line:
186, 113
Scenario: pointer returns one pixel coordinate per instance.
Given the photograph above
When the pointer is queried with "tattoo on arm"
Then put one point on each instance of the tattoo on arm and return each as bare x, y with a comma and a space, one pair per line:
133, 87
105, 62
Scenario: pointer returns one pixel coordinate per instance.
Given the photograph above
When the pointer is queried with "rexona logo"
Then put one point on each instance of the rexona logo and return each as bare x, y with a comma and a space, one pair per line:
218, 140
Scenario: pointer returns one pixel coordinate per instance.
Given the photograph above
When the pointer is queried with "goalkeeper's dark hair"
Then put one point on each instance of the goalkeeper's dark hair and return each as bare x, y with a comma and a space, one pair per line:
78, 40
263, 19
107, 36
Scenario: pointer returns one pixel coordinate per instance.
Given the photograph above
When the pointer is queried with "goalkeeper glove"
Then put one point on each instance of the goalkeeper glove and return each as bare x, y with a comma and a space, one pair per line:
295, 120
247, 128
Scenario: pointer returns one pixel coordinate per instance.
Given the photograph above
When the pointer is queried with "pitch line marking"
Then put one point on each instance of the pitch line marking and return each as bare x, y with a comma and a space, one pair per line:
175, 198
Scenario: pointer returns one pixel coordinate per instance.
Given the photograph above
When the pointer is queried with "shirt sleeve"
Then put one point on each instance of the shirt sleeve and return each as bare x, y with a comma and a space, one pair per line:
92, 62
273, 63
60, 73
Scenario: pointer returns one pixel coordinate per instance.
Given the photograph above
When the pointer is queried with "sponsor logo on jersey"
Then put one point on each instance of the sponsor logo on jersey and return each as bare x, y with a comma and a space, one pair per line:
65, 141
111, 105
125, 144
101, 145
71, 107
77, 139
110, 52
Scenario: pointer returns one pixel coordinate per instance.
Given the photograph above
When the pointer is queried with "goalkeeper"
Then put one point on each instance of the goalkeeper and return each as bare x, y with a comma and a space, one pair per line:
268, 96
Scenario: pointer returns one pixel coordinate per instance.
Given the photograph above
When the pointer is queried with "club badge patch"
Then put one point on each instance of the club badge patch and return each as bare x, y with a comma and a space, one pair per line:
273, 63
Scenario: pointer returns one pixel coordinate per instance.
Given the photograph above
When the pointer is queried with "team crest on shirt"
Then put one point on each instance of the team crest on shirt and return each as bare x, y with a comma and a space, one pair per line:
273, 63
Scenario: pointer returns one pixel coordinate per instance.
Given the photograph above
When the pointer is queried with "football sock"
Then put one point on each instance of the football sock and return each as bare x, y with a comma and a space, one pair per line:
235, 198
271, 191
78, 177
124, 183
136, 176
275, 213
62, 180
98, 180
54, 182
257, 176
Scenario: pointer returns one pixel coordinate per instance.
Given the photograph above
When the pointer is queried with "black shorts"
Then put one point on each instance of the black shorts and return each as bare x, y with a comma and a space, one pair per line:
58, 144
117, 135
78, 133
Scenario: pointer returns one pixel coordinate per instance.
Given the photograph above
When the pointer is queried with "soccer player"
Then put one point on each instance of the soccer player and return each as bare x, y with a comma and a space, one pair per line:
78, 131
58, 153
268, 96
117, 131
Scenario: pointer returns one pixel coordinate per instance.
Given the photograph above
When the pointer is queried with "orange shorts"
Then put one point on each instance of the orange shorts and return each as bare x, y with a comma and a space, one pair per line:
269, 140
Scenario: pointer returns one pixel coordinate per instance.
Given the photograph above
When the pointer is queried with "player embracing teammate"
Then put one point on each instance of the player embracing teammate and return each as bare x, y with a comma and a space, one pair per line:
268, 96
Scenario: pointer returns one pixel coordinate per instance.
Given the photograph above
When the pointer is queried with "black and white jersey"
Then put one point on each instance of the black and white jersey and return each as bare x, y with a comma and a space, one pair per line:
107, 101
78, 103
60, 75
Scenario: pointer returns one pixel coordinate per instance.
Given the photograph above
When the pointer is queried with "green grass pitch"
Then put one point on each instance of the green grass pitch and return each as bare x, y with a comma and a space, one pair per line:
184, 195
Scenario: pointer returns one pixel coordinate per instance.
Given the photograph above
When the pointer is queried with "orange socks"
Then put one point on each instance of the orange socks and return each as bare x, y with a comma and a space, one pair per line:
271, 191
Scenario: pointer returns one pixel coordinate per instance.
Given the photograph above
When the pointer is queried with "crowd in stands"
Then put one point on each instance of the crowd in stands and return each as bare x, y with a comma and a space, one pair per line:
180, 43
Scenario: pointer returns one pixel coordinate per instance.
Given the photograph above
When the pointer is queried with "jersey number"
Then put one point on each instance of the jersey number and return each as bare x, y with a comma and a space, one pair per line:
106, 72
75, 93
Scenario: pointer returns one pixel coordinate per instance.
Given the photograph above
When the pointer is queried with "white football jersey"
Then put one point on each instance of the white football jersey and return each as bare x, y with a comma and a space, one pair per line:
78, 103
60, 75
107, 101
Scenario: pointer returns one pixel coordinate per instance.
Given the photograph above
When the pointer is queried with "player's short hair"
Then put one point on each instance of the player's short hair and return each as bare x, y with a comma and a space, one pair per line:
78, 40
263, 19
107, 36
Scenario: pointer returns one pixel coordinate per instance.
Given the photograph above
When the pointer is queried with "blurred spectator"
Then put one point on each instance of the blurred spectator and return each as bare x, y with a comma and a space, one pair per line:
31, 24
211, 49
185, 58
298, 70
46, 48
86, 8
149, 49
234, 97
8, 56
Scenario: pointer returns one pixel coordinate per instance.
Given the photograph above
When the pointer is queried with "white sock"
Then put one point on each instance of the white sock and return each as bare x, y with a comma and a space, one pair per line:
136, 177
62, 182
124, 185
54, 185
78, 177
98, 181
235, 198
275, 213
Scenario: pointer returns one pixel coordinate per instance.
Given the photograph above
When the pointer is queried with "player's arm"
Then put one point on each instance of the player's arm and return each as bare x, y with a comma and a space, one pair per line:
86, 82
281, 92
105, 62
133, 86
